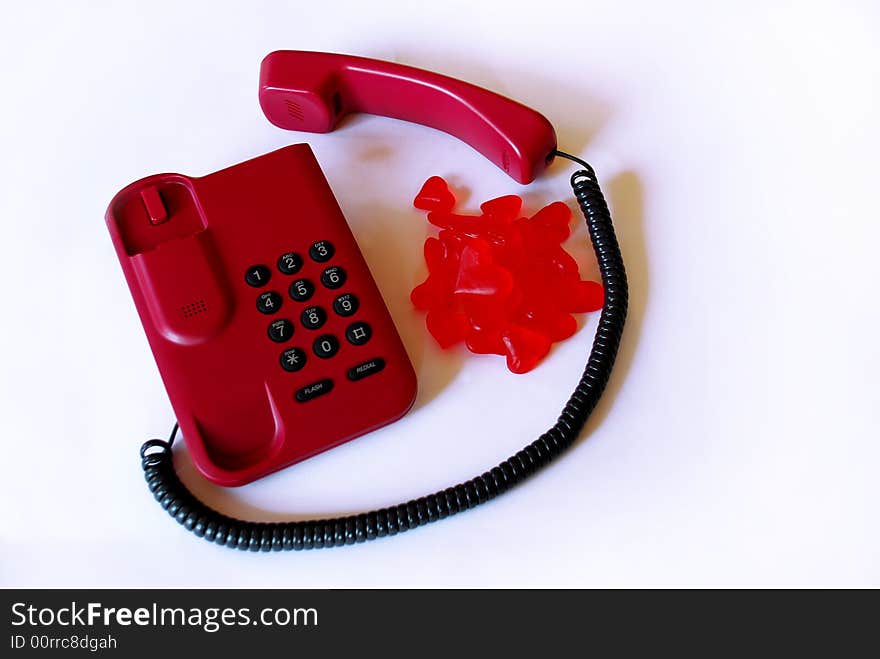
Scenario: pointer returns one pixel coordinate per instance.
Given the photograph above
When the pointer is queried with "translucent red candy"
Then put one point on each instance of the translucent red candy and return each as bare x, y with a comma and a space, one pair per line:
501, 283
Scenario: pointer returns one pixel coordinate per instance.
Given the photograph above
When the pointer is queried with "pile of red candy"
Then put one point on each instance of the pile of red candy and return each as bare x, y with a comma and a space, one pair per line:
501, 283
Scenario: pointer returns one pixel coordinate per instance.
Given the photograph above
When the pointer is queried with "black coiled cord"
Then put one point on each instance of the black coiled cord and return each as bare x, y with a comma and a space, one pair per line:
195, 516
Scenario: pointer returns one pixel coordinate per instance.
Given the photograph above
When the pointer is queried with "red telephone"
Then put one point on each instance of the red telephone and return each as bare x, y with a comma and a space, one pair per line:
272, 339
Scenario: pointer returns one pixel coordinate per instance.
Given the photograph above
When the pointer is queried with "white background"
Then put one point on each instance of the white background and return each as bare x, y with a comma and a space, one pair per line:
737, 444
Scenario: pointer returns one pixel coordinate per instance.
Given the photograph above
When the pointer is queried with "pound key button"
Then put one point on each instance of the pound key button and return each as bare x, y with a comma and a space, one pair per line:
314, 390
358, 333
366, 369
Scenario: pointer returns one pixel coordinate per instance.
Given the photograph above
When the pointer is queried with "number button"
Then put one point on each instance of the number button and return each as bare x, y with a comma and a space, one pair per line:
326, 346
269, 302
293, 359
322, 251
333, 277
313, 317
301, 290
358, 333
280, 330
257, 275
290, 263
346, 305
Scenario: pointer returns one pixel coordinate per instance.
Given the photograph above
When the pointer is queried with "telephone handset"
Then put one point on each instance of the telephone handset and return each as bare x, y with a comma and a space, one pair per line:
271, 337
312, 92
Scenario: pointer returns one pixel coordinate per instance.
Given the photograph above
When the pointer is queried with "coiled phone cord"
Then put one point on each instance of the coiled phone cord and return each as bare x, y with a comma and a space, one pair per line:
195, 516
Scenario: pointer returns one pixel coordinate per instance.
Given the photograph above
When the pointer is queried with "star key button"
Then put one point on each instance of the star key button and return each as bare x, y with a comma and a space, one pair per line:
293, 359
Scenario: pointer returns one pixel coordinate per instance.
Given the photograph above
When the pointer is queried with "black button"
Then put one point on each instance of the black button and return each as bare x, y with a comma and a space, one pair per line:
314, 390
322, 251
325, 346
366, 369
269, 302
346, 305
358, 333
293, 359
301, 290
257, 275
313, 317
333, 277
280, 330
290, 263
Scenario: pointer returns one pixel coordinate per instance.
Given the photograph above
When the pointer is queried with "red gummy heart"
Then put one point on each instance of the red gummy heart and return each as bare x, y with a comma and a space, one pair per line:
435, 195
477, 275
447, 328
582, 296
555, 325
537, 283
564, 264
459, 223
451, 241
540, 244
435, 254
524, 348
504, 209
510, 251
433, 293
491, 231
485, 342
490, 313
554, 219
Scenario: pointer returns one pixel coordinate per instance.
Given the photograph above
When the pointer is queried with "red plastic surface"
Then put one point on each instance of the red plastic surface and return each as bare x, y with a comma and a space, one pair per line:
186, 271
311, 91
501, 283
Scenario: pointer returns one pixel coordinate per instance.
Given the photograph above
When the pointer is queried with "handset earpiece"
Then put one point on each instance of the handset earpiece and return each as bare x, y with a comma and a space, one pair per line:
309, 91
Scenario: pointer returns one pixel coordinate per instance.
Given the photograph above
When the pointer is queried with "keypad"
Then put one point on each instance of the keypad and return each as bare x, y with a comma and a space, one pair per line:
346, 305
280, 330
293, 359
333, 277
358, 333
322, 251
325, 346
301, 290
269, 302
257, 275
290, 263
313, 317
